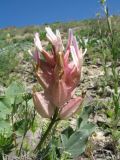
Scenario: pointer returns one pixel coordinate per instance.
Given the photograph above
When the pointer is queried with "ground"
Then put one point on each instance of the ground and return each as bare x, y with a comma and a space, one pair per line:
97, 95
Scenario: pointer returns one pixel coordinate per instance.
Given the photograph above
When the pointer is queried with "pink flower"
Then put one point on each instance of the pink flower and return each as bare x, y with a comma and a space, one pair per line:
46, 109
59, 75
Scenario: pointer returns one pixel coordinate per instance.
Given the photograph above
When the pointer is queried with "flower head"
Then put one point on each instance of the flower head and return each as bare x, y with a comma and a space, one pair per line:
58, 72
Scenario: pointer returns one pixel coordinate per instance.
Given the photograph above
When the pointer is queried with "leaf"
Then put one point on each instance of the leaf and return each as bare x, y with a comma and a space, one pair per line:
83, 119
34, 126
68, 131
4, 110
5, 127
74, 142
66, 134
64, 140
110, 113
6, 101
30, 104
21, 126
77, 143
90, 127
15, 92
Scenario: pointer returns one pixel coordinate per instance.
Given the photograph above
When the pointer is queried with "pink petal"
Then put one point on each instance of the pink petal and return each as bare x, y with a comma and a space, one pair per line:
70, 38
58, 93
67, 53
75, 44
36, 56
71, 107
61, 47
74, 57
44, 74
66, 57
72, 76
48, 57
42, 105
79, 52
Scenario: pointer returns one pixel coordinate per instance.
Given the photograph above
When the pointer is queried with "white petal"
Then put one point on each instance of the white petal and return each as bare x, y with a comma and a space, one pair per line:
70, 38
38, 42
74, 56
59, 39
50, 34
75, 44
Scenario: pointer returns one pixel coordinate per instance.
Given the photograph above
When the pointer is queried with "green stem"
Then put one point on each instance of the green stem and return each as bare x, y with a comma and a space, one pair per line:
53, 121
26, 127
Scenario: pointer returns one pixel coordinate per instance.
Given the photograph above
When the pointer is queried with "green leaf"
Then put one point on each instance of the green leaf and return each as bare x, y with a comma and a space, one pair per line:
66, 134
74, 142
110, 113
6, 101
64, 140
5, 127
20, 126
68, 131
34, 127
77, 143
15, 92
4, 110
89, 127
6, 143
31, 104
14, 89
84, 116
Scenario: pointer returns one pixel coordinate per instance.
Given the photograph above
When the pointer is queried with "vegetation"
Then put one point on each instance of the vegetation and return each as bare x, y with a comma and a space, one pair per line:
95, 131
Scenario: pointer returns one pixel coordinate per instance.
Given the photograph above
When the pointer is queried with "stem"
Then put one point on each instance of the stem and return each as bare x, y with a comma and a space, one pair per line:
26, 127
12, 120
53, 121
